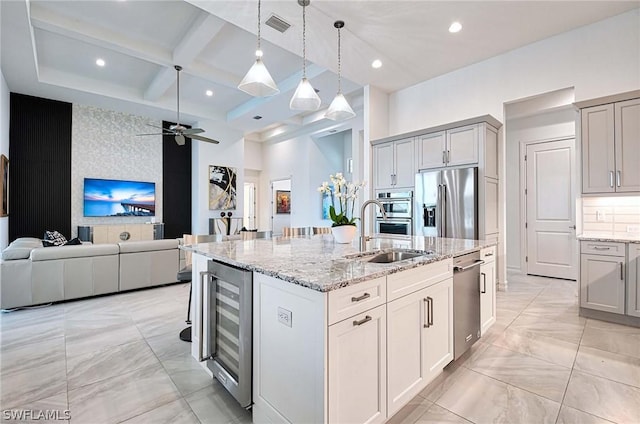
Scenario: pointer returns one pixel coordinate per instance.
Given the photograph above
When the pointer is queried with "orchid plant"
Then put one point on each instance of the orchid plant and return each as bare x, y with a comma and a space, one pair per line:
346, 194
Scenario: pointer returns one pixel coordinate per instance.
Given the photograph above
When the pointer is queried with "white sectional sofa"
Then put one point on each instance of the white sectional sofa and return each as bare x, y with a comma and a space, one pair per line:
31, 274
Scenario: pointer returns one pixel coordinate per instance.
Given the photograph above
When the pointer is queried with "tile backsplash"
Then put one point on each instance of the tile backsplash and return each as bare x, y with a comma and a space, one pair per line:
615, 215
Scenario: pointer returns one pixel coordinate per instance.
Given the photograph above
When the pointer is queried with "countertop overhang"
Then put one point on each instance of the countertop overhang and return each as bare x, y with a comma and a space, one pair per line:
319, 263
608, 237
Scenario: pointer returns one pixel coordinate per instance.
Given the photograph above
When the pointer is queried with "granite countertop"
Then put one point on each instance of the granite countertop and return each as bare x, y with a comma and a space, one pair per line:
317, 262
595, 236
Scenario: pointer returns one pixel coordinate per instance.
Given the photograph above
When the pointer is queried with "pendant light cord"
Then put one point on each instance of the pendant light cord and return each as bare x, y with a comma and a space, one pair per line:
258, 49
304, 41
339, 65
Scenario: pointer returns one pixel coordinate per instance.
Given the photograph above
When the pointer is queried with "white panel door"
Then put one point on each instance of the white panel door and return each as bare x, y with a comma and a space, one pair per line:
431, 150
627, 117
404, 170
551, 241
383, 165
598, 160
358, 368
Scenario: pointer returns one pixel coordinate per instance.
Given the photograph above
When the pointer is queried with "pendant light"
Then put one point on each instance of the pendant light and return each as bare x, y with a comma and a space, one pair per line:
258, 81
305, 97
339, 108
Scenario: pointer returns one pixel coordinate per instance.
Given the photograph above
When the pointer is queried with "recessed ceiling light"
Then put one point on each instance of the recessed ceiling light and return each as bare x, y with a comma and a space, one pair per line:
376, 64
100, 62
257, 117
209, 93
455, 27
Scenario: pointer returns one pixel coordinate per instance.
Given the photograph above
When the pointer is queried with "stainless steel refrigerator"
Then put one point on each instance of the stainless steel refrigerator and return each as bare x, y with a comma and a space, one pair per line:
446, 203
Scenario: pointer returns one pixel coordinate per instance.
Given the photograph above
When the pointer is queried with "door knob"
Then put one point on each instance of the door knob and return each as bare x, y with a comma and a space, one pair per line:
572, 226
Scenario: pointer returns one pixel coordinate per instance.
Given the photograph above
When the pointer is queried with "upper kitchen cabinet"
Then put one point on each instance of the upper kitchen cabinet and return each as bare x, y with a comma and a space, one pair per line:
611, 147
466, 145
393, 164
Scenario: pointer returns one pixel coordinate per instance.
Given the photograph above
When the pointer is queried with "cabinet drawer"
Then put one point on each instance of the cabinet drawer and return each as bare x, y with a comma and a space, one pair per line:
603, 248
352, 300
405, 282
488, 254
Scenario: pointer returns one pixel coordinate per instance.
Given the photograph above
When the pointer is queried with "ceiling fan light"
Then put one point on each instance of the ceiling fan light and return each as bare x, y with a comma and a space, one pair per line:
305, 97
258, 81
339, 109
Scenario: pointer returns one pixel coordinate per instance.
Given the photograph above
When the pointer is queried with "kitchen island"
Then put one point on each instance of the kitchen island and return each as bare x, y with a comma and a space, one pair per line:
337, 337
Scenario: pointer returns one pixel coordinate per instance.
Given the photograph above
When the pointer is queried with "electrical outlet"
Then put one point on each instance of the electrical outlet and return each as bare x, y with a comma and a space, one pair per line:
600, 216
633, 228
284, 316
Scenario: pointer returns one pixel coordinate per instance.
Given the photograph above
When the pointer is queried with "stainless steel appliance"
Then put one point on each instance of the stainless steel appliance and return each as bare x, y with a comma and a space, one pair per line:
398, 206
447, 203
226, 328
466, 308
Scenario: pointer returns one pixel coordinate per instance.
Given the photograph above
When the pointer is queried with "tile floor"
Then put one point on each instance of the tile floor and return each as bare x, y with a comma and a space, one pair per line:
117, 359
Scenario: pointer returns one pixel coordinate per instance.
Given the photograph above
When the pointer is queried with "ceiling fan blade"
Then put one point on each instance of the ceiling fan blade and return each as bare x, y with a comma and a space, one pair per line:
187, 131
180, 140
139, 135
155, 126
201, 138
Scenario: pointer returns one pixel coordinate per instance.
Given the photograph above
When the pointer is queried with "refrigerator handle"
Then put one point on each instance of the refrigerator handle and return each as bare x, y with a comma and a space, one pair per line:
443, 210
439, 211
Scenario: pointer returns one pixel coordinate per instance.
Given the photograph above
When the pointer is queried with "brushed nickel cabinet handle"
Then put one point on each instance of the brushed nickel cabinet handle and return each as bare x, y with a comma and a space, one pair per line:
618, 174
601, 248
430, 301
362, 321
484, 283
488, 254
426, 312
622, 271
359, 298
611, 179
444, 156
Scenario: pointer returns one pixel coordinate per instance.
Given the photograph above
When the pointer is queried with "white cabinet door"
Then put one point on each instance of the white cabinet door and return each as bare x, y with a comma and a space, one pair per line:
406, 333
487, 296
383, 165
358, 368
404, 170
633, 280
627, 142
490, 152
439, 333
602, 283
491, 221
430, 150
462, 145
598, 160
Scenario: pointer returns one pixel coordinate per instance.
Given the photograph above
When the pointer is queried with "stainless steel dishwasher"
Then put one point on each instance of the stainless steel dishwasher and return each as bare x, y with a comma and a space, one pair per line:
466, 302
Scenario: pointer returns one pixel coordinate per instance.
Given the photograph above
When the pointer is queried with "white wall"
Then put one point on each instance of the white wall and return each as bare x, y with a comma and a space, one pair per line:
308, 162
230, 153
4, 149
544, 126
252, 155
598, 60
104, 145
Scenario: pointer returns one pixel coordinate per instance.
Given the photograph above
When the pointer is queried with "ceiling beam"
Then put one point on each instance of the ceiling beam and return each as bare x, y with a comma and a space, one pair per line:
200, 33
46, 20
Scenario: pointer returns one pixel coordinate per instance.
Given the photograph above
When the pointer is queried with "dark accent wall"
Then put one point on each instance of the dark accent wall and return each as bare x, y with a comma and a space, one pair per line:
176, 186
40, 167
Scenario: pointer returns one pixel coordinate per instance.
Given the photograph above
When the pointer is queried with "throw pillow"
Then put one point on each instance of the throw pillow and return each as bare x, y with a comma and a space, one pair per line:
48, 243
73, 242
54, 236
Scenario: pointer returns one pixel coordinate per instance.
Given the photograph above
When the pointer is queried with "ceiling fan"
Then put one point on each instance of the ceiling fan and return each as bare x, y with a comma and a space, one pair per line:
177, 130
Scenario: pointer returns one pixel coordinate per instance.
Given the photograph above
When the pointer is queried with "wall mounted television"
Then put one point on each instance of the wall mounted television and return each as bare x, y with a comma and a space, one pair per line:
119, 198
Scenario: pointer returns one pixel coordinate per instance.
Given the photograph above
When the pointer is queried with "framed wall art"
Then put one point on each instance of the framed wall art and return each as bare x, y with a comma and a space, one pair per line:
4, 180
283, 201
222, 188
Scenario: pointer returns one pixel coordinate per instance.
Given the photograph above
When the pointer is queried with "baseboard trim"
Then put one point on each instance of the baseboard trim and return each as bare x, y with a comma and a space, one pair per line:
610, 317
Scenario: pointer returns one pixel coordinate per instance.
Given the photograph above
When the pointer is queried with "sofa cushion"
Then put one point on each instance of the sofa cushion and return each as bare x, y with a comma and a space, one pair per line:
63, 252
26, 241
147, 246
54, 236
12, 253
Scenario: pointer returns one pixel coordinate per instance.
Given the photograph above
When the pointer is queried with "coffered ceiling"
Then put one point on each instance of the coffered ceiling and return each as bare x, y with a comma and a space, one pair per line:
49, 49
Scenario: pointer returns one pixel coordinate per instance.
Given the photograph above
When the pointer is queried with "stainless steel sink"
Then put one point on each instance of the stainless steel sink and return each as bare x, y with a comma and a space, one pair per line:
393, 256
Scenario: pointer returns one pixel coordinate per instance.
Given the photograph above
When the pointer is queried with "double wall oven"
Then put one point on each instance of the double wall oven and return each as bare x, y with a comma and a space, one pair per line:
398, 206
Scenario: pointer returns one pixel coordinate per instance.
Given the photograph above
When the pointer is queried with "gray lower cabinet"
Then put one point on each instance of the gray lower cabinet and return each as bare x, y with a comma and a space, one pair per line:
633, 280
602, 277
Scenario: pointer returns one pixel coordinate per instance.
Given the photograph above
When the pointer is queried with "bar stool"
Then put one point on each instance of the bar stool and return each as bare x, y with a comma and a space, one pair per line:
321, 230
295, 231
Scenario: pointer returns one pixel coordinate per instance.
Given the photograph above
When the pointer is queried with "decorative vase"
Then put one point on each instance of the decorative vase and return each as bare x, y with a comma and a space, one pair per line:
344, 233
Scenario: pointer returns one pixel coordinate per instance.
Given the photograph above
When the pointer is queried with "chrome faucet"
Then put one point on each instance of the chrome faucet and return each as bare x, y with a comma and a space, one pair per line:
364, 239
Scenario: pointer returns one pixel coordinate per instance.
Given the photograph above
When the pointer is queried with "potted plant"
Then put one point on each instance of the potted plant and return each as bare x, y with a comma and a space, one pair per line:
345, 194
